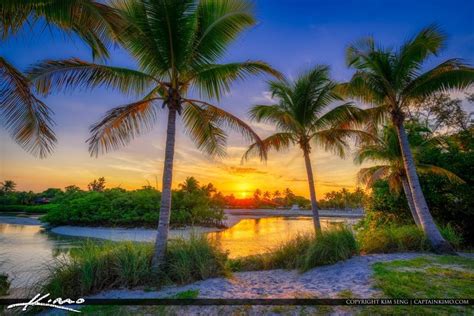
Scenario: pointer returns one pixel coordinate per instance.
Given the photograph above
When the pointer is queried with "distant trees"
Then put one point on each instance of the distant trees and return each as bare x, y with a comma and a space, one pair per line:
97, 185
343, 199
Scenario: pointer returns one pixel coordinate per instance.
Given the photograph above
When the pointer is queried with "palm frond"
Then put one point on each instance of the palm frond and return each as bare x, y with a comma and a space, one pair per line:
27, 118
122, 124
277, 142
74, 74
214, 79
336, 139
452, 74
94, 22
276, 115
424, 168
368, 176
219, 23
230, 121
342, 115
203, 130
412, 54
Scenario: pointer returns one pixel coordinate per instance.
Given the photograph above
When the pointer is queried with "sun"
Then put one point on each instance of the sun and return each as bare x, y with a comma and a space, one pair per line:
243, 190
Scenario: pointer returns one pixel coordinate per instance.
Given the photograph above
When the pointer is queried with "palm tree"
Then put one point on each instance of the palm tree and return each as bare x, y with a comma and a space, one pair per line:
299, 119
189, 185
386, 151
177, 45
7, 186
25, 116
392, 80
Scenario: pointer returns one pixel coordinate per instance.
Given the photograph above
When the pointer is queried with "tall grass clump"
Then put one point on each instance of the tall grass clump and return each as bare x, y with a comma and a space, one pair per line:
195, 259
403, 238
330, 247
303, 252
95, 267
392, 239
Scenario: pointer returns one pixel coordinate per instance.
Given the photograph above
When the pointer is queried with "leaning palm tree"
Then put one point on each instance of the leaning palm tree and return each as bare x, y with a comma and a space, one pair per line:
177, 44
302, 119
392, 80
386, 152
25, 116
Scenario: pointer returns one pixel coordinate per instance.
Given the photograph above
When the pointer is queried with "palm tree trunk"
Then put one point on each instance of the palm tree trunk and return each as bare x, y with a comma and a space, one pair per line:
439, 244
312, 193
165, 208
411, 204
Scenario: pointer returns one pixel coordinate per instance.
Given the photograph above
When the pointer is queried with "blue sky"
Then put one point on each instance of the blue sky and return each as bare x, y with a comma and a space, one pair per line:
290, 35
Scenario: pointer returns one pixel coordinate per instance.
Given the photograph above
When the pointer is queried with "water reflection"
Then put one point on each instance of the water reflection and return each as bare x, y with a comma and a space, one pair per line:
25, 249
253, 236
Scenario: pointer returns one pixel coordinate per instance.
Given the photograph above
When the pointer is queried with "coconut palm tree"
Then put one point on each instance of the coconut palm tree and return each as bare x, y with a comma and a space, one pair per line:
386, 152
390, 80
25, 116
302, 117
177, 45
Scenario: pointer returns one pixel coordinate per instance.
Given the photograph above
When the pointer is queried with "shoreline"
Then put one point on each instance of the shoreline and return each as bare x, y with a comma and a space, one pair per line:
141, 234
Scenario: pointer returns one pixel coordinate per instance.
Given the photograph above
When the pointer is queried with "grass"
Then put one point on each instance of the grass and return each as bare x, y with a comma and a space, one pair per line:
95, 267
401, 239
304, 252
425, 277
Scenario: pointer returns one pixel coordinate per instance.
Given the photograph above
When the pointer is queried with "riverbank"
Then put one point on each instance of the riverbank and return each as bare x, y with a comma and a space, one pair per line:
233, 217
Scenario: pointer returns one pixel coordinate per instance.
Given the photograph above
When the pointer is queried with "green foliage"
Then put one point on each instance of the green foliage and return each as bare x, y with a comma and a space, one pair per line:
111, 207
303, 252
392, 238
343, 199
95, 267
450, 202
141, 207
4, 284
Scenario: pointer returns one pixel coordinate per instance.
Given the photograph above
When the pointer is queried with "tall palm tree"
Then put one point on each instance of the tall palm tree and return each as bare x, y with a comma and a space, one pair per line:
391, 80
25, 116
302, 118
177, 44
386, 152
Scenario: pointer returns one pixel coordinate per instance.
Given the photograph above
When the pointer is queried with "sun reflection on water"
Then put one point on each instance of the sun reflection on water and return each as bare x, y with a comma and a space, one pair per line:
253, 236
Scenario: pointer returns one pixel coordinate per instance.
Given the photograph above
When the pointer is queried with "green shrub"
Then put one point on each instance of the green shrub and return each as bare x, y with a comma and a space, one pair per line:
4, 284
401, 238
95, 267
118, 207
452, 236
392, 239
303, 252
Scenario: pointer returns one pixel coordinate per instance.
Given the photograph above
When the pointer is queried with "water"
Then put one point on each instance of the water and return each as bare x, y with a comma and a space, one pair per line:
25, 249
254, 236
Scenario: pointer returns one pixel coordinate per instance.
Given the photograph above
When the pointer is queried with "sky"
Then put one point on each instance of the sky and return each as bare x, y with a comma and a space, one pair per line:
291, 35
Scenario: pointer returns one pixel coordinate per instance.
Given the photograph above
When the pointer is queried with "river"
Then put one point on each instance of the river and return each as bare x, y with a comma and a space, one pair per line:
25, 250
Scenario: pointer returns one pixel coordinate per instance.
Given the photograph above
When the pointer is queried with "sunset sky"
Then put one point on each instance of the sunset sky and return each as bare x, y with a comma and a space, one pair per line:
290, 35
